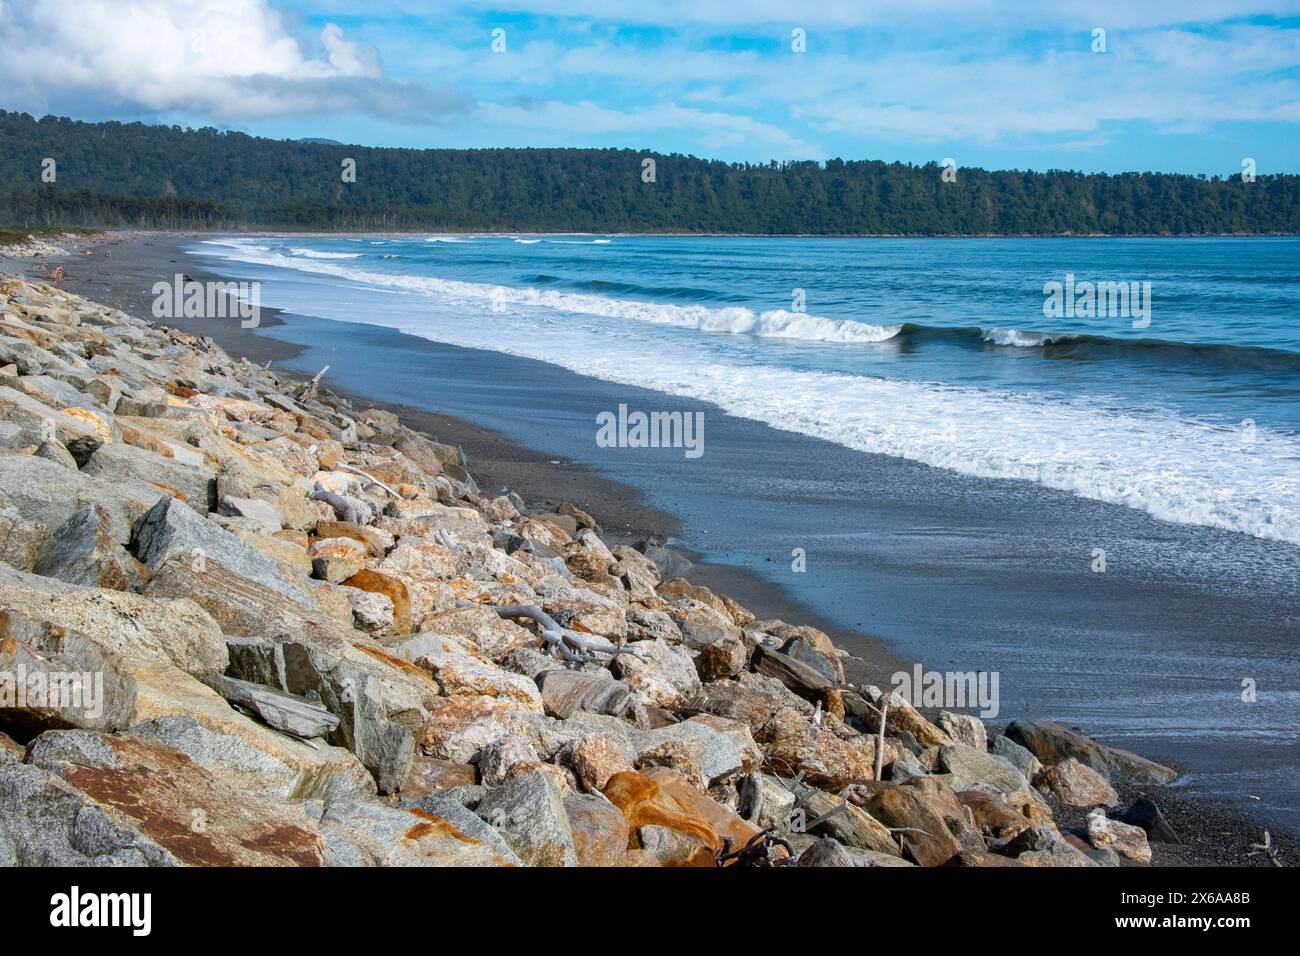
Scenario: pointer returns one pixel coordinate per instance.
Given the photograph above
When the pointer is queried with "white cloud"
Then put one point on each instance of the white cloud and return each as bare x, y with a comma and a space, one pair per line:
225, 59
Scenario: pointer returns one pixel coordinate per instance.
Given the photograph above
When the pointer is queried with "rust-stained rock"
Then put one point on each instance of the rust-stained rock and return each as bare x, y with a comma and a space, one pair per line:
376, 582
659, 797
438, 832
87, 797
376, 542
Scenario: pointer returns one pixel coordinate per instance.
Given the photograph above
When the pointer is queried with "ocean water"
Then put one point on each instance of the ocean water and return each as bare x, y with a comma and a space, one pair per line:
937, 351
950, 458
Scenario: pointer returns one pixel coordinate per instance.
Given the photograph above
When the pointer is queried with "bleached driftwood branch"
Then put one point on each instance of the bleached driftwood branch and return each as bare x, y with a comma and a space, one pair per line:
343, 509
370, 478
310, 388
569, 644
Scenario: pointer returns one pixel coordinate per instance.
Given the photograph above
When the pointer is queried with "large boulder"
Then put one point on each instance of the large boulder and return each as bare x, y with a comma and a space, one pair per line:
82, 550
1053, 743
658, 800
172, 529
196, 484
663, 676
1076, 784
970, 768
812, 647
600, 831
528, 811
435, 832
93, 799
68, 682
565, 692
46, 494
186, 715
138, 629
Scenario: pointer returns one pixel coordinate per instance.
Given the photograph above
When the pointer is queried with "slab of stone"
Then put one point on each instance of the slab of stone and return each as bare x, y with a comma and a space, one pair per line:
287, 713
528, 811
437, 832
172, 529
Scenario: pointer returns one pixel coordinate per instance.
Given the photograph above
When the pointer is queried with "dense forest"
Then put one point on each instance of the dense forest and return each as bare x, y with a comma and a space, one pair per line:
133, 174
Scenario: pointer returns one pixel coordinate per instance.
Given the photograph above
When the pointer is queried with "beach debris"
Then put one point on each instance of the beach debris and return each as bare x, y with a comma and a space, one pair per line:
1267, 849
569, 644
309, 390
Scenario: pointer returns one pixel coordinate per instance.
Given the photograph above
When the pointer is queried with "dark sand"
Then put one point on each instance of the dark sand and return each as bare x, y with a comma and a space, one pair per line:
122, 274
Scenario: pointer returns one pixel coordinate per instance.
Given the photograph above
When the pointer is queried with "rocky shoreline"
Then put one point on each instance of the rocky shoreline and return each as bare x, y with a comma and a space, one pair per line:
300, 634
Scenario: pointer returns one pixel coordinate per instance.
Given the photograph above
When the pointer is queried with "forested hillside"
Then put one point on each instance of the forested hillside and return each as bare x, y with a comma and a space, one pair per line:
132, 174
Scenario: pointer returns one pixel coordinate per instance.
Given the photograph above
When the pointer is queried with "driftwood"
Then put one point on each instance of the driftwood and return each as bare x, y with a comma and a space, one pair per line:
759, 851
569, 644
343, 509
1266, 848
370, 478
309, 389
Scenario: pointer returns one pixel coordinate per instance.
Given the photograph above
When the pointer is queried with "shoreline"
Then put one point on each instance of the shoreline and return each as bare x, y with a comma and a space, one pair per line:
498, 460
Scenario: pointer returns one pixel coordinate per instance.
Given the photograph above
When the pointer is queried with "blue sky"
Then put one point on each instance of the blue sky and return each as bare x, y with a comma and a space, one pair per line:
1189, 86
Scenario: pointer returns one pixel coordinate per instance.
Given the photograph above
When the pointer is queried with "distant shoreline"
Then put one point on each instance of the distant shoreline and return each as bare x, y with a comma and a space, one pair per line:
113, 231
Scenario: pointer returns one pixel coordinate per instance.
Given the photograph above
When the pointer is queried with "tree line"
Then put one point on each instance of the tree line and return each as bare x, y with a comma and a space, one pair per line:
135, 174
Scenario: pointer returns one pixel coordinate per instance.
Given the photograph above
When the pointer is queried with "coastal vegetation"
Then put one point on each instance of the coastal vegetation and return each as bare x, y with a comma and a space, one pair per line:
133, 174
